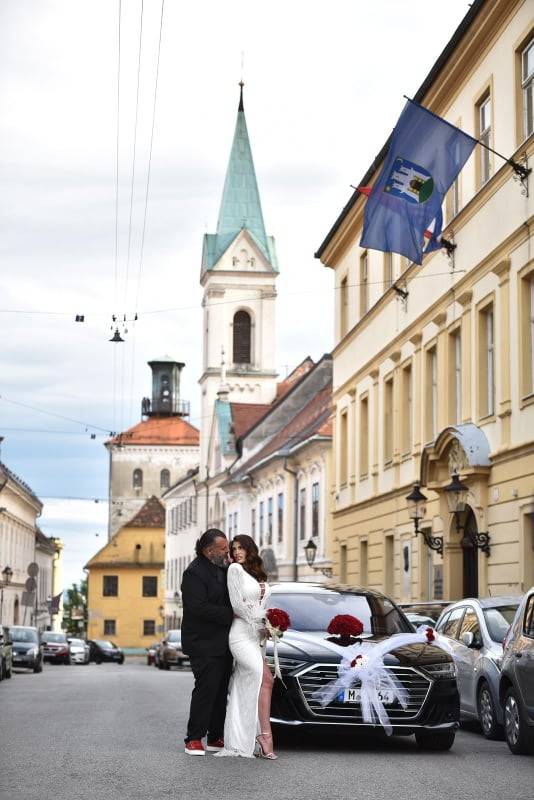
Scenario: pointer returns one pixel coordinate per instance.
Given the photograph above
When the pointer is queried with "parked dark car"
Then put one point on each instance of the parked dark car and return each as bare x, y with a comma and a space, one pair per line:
6, 654
55, 647
27, 649
170, 653
475, 628
516, 688
308, 662
151, 654
103, 650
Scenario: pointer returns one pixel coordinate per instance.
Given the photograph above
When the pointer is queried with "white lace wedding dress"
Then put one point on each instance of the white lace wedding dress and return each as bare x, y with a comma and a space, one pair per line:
248, 598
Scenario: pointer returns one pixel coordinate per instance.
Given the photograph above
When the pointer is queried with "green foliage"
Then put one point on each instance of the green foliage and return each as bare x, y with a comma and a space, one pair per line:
75, 609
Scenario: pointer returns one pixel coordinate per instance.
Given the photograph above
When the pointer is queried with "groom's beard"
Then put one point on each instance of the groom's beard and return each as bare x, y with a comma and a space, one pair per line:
219, 560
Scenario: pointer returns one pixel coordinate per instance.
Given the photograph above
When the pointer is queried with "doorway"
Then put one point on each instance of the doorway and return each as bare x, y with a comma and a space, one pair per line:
470, 556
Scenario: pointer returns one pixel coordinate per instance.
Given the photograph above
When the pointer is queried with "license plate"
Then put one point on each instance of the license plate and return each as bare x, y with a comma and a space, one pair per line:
355, 696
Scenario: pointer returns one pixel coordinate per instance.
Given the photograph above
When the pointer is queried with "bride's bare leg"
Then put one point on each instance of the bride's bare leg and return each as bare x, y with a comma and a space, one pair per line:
264, 709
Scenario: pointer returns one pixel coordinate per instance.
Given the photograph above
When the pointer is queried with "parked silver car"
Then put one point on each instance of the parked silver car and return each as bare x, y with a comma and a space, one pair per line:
517, 679
475, 628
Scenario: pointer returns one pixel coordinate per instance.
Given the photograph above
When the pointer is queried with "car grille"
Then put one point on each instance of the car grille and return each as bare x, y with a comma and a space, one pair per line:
287, 665
319, 675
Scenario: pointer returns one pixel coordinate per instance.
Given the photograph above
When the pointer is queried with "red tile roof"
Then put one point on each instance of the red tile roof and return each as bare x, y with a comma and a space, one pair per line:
152, 515
284, 386
245, 415
159, 430
313, 419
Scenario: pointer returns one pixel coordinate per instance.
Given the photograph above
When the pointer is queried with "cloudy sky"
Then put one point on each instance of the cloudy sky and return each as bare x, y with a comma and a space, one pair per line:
324, 87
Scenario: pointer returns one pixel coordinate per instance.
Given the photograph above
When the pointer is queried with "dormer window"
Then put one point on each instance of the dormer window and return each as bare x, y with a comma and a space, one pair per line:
138, 479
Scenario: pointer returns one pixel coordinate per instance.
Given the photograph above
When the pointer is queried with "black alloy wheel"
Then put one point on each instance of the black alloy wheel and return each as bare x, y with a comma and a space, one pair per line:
435, 740
98, 659
121, 660
38, 668
160, 663
519, 738
486, 713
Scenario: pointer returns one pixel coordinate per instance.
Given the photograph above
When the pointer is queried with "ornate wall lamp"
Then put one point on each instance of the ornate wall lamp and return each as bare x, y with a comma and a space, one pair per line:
310, 551
417, 509
457, 494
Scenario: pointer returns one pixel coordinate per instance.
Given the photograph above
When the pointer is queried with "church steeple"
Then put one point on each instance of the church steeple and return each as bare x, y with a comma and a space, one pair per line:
240, 207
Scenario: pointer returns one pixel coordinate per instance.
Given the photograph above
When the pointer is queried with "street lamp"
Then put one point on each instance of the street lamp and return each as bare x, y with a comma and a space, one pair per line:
457, 494
310, 551
417, 509
7, 574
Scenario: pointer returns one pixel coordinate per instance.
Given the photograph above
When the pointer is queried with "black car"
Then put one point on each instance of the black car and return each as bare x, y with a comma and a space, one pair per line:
169, 652
308, 661
103, 650
27, 649
516, 687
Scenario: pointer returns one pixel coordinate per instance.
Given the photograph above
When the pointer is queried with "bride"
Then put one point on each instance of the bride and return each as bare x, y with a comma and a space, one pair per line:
248, 727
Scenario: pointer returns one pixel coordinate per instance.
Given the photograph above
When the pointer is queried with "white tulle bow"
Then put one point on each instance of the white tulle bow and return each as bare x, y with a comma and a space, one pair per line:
363, 665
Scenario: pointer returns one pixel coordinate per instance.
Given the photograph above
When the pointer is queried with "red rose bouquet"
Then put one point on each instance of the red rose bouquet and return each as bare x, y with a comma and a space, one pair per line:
277, 620
345, 628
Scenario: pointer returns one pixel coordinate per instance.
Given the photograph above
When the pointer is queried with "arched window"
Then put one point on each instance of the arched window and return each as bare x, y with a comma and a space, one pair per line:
164, 479
242, 338
138, 479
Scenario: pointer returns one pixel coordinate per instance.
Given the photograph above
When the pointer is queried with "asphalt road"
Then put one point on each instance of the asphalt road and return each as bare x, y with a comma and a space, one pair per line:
114, 732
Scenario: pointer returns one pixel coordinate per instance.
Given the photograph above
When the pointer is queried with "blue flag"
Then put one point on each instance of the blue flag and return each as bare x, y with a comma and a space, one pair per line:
424, 158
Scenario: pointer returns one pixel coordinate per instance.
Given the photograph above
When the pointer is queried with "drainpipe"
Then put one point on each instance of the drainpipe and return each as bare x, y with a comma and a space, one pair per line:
295, 520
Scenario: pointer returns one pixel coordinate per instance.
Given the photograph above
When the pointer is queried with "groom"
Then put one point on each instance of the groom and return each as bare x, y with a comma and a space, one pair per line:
207, 617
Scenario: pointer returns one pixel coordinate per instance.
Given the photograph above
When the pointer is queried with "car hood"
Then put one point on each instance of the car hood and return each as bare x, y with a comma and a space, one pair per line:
314, 646
23, 647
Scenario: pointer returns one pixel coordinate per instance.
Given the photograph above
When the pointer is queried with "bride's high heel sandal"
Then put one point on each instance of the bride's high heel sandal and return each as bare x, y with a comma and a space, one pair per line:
262, 754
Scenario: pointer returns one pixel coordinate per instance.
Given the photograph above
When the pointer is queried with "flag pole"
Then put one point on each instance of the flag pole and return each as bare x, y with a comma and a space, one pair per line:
518, 168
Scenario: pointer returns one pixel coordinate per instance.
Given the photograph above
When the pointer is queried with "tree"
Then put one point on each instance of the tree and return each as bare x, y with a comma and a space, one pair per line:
75, 609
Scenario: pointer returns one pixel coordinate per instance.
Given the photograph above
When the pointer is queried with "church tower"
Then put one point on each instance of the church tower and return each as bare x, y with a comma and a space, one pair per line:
238, 274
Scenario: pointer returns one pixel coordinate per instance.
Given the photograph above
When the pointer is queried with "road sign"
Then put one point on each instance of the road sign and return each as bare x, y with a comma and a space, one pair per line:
27, 599
33, 569
31, 585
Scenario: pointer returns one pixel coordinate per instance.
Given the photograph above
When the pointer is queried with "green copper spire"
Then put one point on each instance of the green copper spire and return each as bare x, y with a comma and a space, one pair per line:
240, 205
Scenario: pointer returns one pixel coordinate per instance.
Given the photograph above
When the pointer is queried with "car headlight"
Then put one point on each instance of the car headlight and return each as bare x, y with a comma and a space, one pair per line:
32, 651
445, 669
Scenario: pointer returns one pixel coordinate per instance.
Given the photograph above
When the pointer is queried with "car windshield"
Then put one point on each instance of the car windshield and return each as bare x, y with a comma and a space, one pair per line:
105, 645
313, 612
499, 620
23, 635
47, 636
174, 636
77, 643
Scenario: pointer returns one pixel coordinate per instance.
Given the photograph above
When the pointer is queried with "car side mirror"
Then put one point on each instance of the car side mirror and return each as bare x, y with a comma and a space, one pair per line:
467, 638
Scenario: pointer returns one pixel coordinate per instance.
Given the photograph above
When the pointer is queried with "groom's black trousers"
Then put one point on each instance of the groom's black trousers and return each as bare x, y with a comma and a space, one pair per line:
208, 700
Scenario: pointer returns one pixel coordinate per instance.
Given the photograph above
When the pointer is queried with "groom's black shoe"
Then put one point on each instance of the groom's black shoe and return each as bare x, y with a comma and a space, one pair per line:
216, 744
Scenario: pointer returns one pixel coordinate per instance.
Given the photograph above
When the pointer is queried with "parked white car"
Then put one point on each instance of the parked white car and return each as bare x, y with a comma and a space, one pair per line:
79, 651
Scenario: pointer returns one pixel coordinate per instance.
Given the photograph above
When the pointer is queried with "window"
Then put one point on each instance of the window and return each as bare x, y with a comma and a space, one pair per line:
261, 522
343, 563
407, 408
527, 86
453, 200
363, 562
242, 328
343, 306
455, 377
388, 270
485, 136
280, 517
235, 523
527, 334
343, 448
528, 626
110, 586
302, 513
452, 624
230, 528
389, 565
388, 421
364, 284
150, 586
431, 416
470, 624
138, 479
270, 521
315, 509
110, 627
364, 436
149, 627
486, 363
164, 479
253, 523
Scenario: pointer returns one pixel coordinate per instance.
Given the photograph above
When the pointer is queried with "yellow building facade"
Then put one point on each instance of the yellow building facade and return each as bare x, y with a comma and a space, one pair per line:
434, 364
125, 581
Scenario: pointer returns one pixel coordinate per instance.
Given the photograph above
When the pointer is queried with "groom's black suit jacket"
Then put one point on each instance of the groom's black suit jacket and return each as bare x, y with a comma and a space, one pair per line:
207, 611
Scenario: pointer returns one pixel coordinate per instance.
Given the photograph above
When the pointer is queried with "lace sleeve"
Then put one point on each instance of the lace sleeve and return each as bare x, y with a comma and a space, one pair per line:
246, 610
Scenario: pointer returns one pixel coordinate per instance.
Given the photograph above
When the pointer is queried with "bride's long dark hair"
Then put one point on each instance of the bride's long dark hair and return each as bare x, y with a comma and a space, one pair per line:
253, 564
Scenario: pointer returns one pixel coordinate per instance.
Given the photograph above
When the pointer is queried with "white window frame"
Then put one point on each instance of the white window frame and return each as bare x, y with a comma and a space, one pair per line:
434, 390
527, 88
458, 376
531, 326
485, 136
490, 361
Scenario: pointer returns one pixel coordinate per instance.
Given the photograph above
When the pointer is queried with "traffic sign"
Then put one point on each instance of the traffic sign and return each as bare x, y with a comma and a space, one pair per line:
30, 585
33, 569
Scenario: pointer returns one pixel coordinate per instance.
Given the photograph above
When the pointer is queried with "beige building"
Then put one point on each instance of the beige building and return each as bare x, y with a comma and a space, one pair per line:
437, 379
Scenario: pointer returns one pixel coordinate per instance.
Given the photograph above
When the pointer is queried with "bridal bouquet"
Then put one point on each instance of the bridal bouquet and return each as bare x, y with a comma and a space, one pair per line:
277, 622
